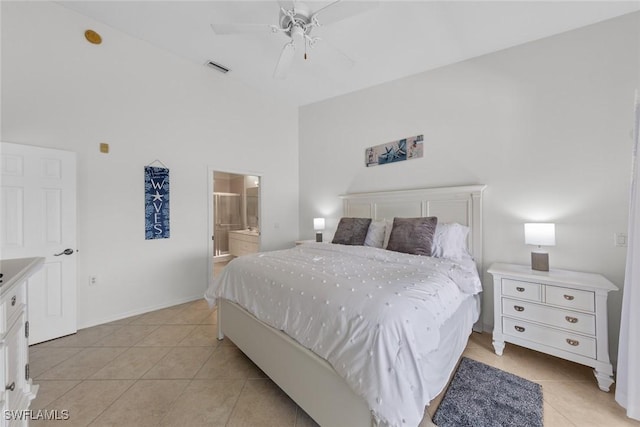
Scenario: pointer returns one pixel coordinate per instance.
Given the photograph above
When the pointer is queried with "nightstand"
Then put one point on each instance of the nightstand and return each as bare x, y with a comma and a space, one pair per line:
300, 242
558, 312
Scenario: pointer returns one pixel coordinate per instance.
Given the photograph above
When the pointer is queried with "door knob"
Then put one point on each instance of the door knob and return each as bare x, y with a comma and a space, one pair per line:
67, 251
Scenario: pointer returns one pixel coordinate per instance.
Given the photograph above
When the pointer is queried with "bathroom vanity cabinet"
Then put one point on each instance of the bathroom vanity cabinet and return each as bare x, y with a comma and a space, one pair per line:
243, 242
17, 391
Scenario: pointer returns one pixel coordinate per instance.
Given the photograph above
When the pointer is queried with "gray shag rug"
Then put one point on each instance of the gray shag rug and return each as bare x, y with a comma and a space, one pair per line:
483, 396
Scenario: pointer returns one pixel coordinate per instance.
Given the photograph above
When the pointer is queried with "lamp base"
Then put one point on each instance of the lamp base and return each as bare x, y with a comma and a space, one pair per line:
319, 237
540, 261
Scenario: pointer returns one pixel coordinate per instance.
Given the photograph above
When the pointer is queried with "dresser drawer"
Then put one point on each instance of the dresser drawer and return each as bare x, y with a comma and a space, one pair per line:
570, 320
561, 340
570, 298
12, 305
520, 289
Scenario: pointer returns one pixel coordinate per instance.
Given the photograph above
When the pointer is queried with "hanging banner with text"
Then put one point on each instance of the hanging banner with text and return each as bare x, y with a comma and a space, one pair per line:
156, 203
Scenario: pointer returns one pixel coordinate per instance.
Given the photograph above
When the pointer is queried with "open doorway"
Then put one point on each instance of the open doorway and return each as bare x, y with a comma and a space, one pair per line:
235, 222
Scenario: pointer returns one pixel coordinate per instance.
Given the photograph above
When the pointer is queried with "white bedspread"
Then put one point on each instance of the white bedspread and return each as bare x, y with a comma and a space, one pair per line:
372, 314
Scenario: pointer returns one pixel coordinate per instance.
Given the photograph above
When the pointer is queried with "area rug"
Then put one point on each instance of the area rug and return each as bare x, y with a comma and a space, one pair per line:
481, 396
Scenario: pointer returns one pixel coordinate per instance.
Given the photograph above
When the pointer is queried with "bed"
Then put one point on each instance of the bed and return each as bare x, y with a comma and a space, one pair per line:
363, 370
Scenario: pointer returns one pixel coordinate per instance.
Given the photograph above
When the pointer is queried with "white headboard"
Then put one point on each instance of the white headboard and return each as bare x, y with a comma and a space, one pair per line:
450, 204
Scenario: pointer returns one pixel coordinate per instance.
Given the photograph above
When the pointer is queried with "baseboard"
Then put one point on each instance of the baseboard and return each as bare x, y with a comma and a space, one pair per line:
137, 312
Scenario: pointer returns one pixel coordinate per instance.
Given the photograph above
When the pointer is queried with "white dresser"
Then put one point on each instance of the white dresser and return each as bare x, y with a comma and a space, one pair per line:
558, 312
17, 391
243, 242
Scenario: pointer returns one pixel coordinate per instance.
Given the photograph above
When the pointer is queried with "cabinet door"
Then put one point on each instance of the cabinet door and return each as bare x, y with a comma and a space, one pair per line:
3, 376
234, 248
14, 350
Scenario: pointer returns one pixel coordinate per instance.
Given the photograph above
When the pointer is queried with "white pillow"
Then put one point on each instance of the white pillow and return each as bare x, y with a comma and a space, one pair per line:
387, 231
375, 234
450, 241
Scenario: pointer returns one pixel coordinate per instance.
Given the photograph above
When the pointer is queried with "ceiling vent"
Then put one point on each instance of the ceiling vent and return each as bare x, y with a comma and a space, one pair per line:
218, 67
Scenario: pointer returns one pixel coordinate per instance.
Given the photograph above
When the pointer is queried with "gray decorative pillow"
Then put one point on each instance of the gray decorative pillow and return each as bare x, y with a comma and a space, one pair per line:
352, 231
413, 235
375, 235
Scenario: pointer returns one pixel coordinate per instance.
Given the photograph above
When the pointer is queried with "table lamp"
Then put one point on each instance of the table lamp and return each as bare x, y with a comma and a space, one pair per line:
540, 234
318, 226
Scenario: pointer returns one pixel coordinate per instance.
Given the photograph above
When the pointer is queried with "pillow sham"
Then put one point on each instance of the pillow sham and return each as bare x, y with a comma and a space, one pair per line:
351, 231
450, 241
387, 232
413, 235
376, 233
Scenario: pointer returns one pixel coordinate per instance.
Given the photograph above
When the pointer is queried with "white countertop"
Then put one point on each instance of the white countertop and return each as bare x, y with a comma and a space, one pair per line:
18, 269
246, 232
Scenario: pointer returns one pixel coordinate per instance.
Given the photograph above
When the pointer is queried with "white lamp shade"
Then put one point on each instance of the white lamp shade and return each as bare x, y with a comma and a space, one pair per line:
318, 223
540, 234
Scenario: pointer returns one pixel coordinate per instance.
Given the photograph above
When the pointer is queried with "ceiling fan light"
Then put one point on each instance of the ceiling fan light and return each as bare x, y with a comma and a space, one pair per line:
297, 32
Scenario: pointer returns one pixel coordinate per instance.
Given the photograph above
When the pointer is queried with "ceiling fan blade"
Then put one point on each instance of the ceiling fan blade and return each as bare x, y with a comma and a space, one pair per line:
332, 54
284, 63
287, 4
224, 29
343, 58
340, 9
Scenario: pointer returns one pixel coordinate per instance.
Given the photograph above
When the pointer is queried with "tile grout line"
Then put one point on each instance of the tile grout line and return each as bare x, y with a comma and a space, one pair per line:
561, 413
134, 379
52, 403
235, 404
39, 377
114, 401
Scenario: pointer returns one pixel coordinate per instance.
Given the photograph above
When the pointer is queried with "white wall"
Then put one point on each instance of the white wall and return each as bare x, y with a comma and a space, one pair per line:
546, 125
61, 92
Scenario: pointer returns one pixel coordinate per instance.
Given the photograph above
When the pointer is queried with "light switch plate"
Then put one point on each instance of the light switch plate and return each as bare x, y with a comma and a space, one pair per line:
620, 240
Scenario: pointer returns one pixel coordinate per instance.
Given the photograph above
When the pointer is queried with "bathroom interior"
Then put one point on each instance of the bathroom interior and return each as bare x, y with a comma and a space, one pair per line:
236, 209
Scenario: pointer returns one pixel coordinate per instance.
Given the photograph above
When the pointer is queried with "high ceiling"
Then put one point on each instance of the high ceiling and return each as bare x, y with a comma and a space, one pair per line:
392, 39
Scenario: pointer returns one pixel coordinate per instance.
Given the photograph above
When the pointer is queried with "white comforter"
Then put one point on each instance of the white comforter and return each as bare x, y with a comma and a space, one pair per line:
371, 313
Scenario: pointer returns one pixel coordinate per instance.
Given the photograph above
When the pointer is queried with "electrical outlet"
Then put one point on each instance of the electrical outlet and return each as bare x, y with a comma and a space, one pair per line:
620, 240
93, 280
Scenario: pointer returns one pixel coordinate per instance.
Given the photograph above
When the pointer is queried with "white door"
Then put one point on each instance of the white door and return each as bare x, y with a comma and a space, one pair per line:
38, 218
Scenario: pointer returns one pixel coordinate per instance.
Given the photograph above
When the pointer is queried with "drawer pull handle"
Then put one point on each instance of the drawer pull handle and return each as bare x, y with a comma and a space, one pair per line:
519, 328
519, 289
569, 297
11, 386
518, 308
571, 319
574, 343
13, 300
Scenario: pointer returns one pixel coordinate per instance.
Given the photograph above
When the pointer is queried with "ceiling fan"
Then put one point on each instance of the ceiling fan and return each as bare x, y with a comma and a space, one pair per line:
296, 21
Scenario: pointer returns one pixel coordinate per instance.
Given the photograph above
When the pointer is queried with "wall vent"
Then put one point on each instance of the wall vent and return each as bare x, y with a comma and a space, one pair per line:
218, 67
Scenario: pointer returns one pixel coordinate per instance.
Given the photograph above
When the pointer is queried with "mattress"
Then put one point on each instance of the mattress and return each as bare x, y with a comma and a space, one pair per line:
387, 322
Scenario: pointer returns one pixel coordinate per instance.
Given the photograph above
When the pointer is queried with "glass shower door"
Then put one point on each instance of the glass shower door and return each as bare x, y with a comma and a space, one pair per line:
227, 217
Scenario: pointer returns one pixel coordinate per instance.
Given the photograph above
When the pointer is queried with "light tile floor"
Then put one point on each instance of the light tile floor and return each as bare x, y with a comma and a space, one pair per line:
166, 368
570, 391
